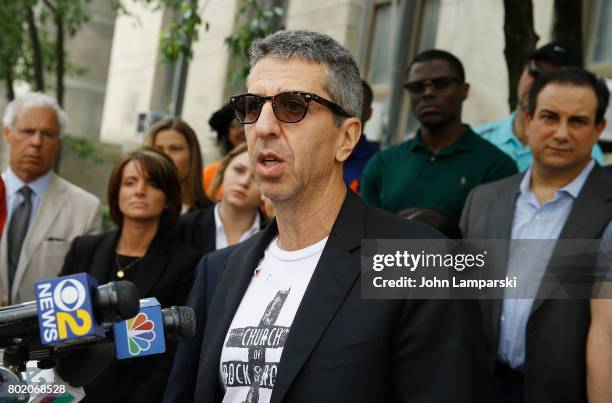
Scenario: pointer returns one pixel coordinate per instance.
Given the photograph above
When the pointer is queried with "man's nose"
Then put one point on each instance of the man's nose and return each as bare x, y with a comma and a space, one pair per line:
267, 123
428, 89
36, 139
562, 131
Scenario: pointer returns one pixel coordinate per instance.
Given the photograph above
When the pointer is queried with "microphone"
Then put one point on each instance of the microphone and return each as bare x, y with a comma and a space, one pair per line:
179, 322
112, 302
145, 333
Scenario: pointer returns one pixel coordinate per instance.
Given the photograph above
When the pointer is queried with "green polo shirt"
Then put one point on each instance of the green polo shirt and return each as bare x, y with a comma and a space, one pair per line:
410, 175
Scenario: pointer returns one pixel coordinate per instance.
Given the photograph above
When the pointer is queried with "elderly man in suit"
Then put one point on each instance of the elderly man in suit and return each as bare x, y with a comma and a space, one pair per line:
45, 212
540, 343
287, 322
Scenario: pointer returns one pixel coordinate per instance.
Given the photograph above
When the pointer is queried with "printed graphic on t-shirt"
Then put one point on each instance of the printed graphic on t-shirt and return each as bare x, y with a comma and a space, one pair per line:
257, 373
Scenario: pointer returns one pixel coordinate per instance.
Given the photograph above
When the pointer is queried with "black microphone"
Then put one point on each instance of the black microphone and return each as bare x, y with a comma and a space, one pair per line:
79, 365
112, 302
179, 322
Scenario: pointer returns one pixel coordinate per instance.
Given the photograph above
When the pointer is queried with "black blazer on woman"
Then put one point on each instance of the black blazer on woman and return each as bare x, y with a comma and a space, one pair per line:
197, 229
166, 273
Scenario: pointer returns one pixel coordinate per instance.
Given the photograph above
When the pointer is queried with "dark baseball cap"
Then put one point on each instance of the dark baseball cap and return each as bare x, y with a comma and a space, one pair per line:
559, 53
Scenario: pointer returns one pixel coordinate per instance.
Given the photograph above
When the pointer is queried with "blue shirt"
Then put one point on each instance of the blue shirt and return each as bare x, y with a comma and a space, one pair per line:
14, 198
529, 259
501, 133
356, 162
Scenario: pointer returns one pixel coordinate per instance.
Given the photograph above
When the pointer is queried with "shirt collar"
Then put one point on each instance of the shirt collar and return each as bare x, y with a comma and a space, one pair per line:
510, 136
465, 142
573, 188
13, 183
221, 229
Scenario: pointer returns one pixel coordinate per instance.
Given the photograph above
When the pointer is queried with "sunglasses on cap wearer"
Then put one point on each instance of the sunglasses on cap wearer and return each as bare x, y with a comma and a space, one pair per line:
288, 107
533, 69
438, 83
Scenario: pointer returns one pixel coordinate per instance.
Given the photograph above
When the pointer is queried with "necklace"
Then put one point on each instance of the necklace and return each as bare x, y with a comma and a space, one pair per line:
121, 270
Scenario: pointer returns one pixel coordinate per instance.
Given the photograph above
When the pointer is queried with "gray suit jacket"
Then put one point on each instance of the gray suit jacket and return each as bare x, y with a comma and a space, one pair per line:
65, 212
556, 329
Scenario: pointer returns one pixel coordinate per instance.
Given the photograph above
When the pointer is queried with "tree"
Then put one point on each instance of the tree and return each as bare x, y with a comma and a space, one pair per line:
520, 41
26, 48
521, 37
11, 42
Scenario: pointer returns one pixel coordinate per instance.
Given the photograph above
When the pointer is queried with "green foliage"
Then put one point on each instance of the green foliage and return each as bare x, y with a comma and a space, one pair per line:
176, 38
16, 52
252, 21
83, 147
107, 222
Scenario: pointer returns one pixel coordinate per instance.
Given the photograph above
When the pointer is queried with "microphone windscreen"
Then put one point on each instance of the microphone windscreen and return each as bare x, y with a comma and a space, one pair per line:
179, 321
128, 299
188, 320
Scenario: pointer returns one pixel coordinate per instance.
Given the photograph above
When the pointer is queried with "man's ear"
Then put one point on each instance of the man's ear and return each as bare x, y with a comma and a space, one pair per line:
600, 127
466, 90
528, 119
349, 136
5, 134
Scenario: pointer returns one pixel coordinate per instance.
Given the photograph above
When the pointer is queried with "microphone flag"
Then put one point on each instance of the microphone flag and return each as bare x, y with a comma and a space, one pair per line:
143, 334
65, 310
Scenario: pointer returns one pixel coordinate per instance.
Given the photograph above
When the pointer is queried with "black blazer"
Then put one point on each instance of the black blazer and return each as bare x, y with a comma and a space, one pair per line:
343, 348
181, 383
166, 273
197, 229
555, 349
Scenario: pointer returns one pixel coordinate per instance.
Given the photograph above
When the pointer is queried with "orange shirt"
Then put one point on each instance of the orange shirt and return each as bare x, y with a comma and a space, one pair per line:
210, 171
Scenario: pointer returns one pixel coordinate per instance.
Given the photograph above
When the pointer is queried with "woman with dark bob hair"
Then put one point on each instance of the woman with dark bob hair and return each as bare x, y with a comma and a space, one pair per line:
178, 140
144, 200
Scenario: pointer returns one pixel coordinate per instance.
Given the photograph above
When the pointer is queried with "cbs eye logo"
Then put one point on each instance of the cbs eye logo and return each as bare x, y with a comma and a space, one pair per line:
69, 296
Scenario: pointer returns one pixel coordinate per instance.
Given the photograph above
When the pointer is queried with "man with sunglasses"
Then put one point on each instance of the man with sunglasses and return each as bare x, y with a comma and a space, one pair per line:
288, 322
509, 134
446, 159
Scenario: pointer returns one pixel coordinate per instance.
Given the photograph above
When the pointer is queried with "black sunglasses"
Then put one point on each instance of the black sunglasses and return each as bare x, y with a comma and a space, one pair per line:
288, 107
533, 69
438, 83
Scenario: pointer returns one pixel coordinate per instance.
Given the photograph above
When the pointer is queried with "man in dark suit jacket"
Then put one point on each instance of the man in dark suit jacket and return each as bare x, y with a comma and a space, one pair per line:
181, 383
288, 322
563, 195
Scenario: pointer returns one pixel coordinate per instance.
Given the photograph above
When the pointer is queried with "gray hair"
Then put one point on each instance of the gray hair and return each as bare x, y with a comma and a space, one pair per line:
33, 100
343, 81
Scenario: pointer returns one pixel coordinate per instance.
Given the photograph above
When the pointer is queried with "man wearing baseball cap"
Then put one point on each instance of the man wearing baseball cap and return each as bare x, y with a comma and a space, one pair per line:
509, 134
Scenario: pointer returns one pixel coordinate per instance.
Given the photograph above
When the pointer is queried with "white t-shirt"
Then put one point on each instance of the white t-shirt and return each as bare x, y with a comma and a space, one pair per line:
256, 337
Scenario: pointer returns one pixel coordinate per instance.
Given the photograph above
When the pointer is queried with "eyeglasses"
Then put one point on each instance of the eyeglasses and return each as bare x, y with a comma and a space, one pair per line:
533, 69
288, 107
438, 83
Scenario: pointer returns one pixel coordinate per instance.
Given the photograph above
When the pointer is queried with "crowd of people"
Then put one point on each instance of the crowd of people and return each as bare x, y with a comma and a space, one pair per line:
265, 244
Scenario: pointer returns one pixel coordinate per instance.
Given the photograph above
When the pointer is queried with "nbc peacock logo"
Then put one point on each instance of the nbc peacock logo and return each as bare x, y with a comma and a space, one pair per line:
140, 333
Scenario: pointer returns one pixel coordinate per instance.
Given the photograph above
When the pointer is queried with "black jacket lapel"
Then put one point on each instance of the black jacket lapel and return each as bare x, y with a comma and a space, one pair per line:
500, 227
206, 235
588, 218
336, 272
233, 283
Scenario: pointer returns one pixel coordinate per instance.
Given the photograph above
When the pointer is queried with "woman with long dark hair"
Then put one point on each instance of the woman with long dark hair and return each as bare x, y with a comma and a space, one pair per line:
144, 200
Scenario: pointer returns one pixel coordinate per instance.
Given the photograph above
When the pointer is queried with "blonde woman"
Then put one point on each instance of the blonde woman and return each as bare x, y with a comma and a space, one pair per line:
236, 217
178, 140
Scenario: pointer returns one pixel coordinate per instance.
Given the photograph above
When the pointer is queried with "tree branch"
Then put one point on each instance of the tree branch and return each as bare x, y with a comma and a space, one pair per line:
39, 79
